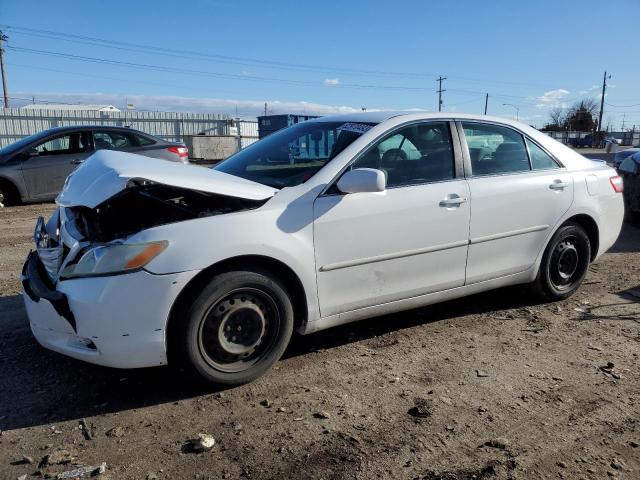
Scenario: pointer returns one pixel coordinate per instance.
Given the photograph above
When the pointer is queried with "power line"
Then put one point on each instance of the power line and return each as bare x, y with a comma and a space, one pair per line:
623, 106
163, 68
178, 53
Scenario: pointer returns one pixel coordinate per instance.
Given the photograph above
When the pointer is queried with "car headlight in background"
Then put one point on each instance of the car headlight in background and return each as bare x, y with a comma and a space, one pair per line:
114, 258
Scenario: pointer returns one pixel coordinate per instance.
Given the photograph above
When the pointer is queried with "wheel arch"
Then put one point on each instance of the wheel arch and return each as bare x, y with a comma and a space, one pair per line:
282, 271
12, 189
590, 227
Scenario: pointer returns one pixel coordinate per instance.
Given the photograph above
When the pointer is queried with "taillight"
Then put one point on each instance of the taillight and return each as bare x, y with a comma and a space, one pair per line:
182, 152
616, 183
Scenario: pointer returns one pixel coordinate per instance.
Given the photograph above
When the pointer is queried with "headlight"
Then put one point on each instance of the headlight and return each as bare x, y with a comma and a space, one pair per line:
114, 258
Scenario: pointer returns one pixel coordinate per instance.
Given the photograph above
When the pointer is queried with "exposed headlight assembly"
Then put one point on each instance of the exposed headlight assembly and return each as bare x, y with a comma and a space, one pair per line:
114, 258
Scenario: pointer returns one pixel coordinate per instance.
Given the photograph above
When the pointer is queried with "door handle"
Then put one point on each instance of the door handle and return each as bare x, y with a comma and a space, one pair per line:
558, 185
77, 161
452, 200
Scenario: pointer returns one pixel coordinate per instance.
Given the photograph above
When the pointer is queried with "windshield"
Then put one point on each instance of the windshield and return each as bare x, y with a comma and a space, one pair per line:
14, 147
292, 156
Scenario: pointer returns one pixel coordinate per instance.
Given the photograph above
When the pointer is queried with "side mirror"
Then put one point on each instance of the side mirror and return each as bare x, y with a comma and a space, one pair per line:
362, 180
32, 152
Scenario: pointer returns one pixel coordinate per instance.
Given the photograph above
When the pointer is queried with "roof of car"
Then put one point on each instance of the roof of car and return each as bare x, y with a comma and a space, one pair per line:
383, 115
570, 158
73, 128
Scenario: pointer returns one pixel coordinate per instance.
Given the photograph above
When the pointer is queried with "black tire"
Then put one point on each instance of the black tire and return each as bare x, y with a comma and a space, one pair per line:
564, 264
630, 215
8, 194
236, 328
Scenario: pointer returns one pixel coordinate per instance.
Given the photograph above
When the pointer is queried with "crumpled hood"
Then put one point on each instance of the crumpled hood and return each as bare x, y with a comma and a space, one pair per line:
106, 173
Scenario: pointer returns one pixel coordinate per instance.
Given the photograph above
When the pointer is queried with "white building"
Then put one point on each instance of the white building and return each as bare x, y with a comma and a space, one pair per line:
66, 107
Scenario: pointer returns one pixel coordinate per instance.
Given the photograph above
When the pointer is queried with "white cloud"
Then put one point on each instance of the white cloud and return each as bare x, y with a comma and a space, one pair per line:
592, 88
552, 98
332, 82
244, 108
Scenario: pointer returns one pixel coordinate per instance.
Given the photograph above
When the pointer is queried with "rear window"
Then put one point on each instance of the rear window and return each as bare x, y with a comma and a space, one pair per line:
143, 141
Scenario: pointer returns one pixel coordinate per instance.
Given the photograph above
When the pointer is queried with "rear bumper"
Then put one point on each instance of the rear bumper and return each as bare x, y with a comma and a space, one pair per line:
116, 321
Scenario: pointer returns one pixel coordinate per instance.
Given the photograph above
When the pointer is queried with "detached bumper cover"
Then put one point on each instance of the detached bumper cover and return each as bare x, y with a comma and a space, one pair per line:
37, 285
116, 321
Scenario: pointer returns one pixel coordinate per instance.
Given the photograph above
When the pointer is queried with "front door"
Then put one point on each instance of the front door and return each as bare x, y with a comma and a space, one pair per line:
46, 168
519, 193
411, 239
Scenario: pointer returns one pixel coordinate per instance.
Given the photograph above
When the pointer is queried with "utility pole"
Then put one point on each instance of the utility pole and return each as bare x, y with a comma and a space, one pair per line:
3, 38
265, 109
604, 88
514, 106
624, 115
440, 90
486, 102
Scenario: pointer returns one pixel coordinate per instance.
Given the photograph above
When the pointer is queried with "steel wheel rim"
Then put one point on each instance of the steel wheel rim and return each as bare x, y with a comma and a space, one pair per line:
226, 347
565, 263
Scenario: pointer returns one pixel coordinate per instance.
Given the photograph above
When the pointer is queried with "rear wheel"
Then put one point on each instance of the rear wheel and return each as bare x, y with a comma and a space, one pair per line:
564, 263
236, 328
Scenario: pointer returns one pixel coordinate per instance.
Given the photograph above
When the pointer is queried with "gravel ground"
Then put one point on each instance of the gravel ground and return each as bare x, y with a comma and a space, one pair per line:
491, 386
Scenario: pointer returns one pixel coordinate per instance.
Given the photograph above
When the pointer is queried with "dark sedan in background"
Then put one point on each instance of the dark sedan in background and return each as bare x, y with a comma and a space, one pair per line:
629, 170
622, 154
34, 168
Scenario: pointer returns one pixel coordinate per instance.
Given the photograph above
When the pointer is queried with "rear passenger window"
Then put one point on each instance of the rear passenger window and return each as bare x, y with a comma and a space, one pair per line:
420, 153
494, 149
113, 140
540, 160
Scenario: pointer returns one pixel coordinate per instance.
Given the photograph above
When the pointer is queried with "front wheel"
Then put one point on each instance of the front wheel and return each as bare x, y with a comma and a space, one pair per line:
564, 263
236, 328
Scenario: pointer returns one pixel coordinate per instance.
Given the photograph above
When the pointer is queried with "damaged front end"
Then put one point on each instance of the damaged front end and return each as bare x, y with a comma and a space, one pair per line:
144, 204
77, 298
80, 241
115, 195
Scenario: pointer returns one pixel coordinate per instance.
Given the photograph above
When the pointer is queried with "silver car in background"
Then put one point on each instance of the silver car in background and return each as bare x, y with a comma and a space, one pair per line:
34, 168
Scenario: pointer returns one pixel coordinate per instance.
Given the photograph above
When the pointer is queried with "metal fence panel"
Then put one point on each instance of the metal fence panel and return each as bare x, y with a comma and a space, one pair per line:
16, 123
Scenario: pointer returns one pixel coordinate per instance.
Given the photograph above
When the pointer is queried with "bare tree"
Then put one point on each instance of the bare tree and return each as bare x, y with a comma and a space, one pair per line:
582, 115
558, 118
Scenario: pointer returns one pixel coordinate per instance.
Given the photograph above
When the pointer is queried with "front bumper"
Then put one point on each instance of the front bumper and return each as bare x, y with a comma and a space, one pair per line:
116, 321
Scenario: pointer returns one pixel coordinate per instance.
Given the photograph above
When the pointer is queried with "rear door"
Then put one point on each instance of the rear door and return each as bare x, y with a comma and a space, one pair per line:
45, 170
518, 194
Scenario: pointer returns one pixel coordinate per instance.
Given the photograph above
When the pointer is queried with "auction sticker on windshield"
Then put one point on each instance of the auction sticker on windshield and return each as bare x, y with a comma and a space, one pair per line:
355, 127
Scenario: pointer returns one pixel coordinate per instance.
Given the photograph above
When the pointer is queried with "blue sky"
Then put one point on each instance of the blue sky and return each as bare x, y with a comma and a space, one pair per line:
225, 56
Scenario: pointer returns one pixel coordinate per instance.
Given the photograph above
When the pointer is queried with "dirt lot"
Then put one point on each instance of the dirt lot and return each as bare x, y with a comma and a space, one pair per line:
491, 386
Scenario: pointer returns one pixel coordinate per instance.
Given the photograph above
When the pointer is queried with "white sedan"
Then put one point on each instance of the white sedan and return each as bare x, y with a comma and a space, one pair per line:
326, 222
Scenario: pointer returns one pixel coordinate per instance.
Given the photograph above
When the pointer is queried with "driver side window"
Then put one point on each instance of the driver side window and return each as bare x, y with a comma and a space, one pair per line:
416, 154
